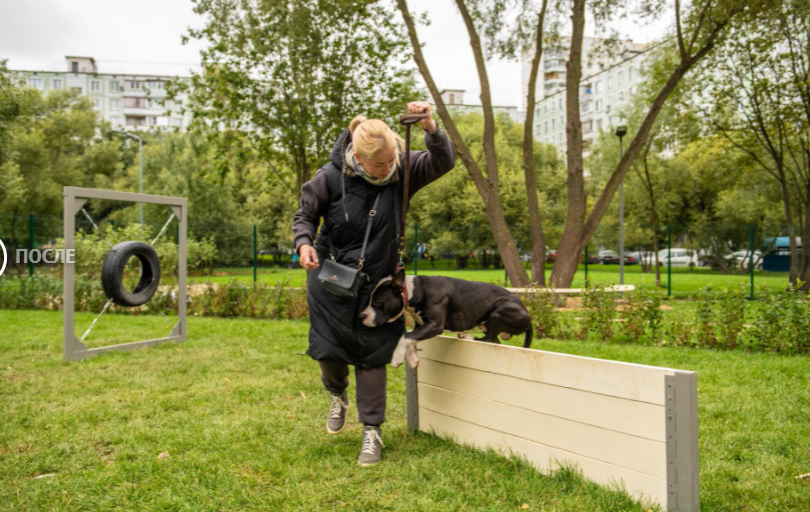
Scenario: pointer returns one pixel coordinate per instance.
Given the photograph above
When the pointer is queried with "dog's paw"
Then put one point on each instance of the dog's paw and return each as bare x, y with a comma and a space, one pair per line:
465, 336
399, 356
413, 359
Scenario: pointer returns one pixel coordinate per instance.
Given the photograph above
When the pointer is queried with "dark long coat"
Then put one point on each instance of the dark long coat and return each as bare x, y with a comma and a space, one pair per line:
336, 332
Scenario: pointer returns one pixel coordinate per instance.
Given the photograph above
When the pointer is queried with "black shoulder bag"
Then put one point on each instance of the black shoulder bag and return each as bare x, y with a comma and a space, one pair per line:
342, 280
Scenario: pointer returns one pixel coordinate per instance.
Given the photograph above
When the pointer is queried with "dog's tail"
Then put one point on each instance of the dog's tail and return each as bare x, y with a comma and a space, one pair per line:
527, 340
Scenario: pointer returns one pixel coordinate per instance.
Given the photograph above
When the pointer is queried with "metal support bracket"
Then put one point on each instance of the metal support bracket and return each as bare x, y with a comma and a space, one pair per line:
683, 483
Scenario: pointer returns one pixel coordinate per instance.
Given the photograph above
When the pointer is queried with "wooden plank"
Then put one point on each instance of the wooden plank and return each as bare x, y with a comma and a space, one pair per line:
620, 288
636, 418
412, 397
630, 452
613, 378
544, 458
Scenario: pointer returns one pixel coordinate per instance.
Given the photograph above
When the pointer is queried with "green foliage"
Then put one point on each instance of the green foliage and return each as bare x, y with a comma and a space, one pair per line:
705, 319
599, 313
547, 321
288, 77
642, 317
781, 323
731, 313
236, 299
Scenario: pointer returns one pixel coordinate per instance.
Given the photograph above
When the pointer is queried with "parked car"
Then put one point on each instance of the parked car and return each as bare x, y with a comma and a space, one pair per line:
741, 259
678, 257
608, 257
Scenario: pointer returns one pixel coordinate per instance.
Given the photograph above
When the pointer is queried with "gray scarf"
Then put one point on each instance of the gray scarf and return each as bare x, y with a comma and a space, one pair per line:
353, 165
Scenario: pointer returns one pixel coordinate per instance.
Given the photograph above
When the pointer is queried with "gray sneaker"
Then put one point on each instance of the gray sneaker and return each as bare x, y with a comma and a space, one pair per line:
371, 451
337, 413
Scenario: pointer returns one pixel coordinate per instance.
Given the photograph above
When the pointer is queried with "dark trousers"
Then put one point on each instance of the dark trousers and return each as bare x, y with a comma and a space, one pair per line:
370, 393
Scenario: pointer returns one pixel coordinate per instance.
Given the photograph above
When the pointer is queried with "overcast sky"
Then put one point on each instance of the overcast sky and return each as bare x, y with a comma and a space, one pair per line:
144, 36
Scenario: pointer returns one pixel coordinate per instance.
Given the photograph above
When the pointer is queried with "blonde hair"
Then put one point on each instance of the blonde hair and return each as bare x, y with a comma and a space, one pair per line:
370, 136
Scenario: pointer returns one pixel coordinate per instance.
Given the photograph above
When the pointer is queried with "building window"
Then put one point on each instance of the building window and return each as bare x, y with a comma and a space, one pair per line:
178, 122
598, 105
77, 90
36, 83
95, 85
134, 85
560, 103
136, 121
115, 121
597, 88
632, 90
96, 103
621, 96
609, 101
630, 74
545, 109
56, 84
74, 66
546, 126
598, 125
154, 85
452, 99
154, 103
115, 104
115, 86
561, 138
561, 121
553, 124
152, 120
621, 77
610, 82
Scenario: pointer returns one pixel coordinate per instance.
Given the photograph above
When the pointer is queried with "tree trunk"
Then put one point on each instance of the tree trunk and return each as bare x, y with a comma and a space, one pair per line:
791, 231
805, 273
486, 187
565, 265
538, 264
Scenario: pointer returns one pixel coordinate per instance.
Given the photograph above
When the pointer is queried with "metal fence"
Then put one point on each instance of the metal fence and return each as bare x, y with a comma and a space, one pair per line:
688, 257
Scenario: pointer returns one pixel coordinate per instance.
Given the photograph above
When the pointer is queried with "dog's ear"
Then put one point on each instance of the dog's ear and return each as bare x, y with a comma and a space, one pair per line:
399, 278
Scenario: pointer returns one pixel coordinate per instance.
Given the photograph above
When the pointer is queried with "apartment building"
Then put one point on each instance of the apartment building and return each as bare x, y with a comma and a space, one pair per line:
602, 95
454, 100
128, 101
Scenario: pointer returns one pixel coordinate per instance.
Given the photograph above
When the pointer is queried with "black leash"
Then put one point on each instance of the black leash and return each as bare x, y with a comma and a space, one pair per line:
406, 120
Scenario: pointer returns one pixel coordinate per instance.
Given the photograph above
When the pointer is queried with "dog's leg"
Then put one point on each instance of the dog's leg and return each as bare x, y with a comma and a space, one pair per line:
465, 336
411, 356
432, 327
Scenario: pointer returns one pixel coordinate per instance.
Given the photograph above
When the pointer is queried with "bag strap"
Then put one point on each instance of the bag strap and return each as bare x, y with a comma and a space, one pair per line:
371, 214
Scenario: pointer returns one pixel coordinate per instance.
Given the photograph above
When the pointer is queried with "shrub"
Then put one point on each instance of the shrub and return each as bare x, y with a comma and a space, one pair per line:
547, 321
600, 313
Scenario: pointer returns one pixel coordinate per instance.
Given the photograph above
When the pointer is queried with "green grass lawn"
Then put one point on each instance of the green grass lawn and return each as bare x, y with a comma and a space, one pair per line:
241, 415
685, 282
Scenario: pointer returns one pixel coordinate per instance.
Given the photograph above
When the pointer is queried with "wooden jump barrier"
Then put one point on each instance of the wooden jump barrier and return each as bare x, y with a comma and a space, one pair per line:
620, 423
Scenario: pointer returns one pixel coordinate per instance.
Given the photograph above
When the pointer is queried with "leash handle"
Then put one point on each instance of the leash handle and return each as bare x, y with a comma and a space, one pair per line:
409, 119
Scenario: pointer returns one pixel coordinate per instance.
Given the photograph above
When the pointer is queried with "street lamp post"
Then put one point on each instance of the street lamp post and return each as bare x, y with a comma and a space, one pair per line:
621, 131
140, 165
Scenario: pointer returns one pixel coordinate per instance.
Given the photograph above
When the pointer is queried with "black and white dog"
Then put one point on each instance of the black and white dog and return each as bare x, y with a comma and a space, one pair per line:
441, 303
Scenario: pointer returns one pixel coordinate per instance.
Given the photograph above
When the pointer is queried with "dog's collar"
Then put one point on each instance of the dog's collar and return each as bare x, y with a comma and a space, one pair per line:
404, 303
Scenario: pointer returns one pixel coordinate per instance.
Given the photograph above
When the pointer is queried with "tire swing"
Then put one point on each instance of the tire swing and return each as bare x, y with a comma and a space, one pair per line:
112, 274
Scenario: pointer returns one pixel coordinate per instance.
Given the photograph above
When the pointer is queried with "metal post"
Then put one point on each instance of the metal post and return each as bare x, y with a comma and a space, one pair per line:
621, 222
751, 262
621, 131
669, 261
140, 174
31, 233
254, 256
586, 267
416, 249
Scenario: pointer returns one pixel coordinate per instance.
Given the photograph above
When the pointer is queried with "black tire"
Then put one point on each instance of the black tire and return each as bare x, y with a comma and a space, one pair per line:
112, 274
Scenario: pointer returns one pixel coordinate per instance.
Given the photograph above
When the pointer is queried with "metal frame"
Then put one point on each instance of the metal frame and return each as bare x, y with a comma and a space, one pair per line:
681, 420
75, 198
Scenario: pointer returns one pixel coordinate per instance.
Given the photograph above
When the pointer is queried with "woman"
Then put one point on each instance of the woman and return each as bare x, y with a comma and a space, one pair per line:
366, 163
